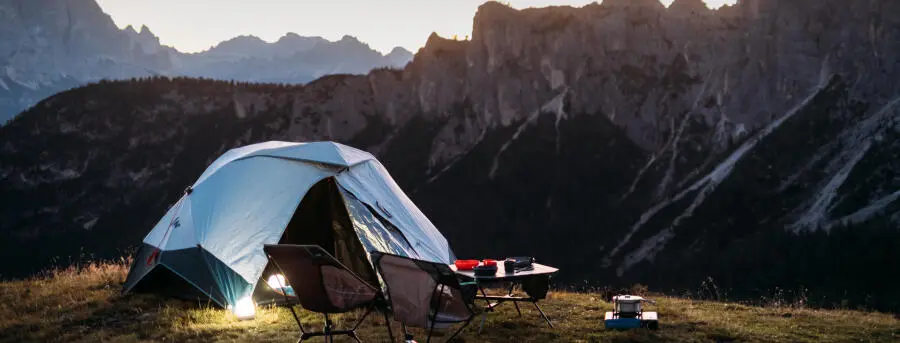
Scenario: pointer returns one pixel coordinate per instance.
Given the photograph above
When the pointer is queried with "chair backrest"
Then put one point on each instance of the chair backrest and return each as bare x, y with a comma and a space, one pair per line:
421, 293
319, 281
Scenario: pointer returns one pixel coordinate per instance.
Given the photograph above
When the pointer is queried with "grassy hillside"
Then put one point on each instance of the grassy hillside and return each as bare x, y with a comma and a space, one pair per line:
84, 305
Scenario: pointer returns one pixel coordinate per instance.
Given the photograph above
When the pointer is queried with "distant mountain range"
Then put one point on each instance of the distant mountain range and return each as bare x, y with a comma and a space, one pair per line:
52, 45
751, 149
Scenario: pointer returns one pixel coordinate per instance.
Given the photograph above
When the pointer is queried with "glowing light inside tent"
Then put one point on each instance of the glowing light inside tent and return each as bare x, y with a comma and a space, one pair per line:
245, 308
277, 282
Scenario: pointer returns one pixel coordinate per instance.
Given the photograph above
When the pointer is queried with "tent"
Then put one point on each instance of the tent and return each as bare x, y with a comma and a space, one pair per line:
210, 243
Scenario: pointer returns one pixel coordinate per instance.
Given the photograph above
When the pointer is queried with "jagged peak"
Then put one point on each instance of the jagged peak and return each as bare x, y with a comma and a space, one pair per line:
728, 10
488, 13
245, 38
435, 38
351, 42
648, 4
289, 37
349, 39
239, 43
689, 6
399, 50
437, 43
495, 5
144, 33
493, 8
293, 38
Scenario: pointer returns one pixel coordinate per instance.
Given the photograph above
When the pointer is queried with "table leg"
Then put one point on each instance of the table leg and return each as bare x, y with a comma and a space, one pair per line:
542, 314
501, 299
485, 296
515, 303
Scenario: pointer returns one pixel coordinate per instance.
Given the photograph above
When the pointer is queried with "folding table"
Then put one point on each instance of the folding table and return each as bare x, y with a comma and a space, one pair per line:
539, 275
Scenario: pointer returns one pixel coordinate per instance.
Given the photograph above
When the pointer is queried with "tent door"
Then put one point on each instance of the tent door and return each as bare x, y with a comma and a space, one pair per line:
322, 219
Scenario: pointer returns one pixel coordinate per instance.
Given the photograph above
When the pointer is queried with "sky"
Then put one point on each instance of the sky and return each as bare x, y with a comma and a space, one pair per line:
196, 25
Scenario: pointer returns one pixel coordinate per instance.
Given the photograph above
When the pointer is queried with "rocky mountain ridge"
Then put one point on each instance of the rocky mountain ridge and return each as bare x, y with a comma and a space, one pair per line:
754, 145
53, 45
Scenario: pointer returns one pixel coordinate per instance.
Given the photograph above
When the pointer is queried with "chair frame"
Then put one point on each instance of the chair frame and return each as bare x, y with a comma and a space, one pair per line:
435, 301
328, 330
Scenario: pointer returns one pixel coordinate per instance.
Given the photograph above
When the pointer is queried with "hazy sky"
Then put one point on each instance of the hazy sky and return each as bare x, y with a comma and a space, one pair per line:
195, 25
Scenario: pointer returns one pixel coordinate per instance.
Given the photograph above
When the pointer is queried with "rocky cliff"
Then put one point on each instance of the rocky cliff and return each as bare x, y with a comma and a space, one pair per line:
754, 145
52, 45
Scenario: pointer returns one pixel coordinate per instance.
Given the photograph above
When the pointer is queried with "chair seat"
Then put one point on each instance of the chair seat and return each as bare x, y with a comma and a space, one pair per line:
424, 294
321, 284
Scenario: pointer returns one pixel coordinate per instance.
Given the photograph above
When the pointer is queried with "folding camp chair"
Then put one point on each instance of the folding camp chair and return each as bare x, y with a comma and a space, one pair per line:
322, 284
425, 294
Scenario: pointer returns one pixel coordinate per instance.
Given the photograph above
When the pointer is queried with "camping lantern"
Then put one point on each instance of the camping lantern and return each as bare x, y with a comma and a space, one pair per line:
244, 308
277, 282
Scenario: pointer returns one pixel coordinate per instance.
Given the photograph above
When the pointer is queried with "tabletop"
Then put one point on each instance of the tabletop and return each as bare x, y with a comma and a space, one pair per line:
539, 269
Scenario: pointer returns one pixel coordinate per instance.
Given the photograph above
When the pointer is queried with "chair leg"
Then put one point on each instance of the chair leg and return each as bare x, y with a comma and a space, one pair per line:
440, 293
430, 332
460, 329
483, 318
487, 309
297, 318
406, 335
387, 323
368, 311
327, 329
306, 335
328, 332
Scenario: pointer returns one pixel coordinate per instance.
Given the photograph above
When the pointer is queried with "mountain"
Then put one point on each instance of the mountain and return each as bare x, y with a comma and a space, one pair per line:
292, 59
53, 45
399, 56
254, 47
751, 149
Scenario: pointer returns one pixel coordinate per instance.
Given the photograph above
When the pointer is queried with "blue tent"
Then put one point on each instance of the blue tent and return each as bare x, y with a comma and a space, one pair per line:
209, 243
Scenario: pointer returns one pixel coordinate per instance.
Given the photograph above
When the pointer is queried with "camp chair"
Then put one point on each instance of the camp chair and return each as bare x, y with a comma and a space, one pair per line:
425, 294
322, 284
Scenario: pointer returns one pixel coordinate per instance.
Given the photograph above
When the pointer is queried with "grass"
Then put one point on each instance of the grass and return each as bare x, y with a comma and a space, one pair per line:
84, 304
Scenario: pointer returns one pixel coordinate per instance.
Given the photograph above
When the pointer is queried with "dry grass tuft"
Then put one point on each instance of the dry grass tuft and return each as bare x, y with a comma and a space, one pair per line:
83, 304
108, 272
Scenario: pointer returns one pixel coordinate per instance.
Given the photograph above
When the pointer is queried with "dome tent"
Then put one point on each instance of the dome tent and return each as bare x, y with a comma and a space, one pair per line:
209, 243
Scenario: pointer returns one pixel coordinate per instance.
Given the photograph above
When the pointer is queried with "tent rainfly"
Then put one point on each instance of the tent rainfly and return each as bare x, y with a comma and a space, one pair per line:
210, 243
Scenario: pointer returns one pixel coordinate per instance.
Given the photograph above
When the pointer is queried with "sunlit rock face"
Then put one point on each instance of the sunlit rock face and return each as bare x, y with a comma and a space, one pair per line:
52, 45
625, 142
